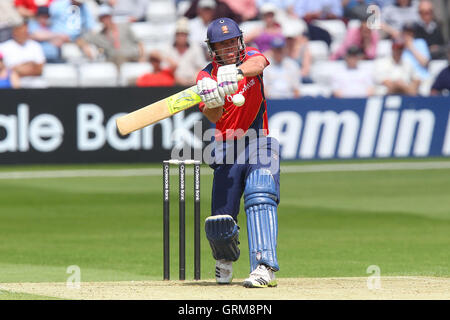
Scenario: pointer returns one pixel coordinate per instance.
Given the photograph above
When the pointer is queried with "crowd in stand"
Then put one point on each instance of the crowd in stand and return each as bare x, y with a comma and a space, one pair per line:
385, 47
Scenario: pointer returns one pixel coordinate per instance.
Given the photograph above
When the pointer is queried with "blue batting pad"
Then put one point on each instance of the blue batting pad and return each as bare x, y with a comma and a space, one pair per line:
260, 198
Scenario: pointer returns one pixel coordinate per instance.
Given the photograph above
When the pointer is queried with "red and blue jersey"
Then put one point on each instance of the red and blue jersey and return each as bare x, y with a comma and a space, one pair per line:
253, 114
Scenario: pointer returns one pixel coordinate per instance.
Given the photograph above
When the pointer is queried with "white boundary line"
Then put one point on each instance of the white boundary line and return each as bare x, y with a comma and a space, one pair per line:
80, 173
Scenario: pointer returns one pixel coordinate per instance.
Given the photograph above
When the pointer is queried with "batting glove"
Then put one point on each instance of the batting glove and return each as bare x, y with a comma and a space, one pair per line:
227, 79
207, 90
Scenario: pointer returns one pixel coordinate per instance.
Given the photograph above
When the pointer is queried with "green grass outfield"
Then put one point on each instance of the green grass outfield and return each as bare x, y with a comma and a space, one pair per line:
331, 224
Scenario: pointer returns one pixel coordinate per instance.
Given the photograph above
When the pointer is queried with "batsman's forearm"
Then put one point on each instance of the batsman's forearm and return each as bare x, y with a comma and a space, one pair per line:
214, 114
253, 67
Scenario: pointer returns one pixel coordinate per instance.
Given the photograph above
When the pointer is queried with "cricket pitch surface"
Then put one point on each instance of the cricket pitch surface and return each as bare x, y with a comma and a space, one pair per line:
388, 288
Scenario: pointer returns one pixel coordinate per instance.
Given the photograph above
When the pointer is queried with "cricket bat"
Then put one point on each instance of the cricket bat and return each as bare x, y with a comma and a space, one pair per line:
159, 110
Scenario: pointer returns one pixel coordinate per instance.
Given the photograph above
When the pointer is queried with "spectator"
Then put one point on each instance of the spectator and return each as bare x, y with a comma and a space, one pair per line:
8, 78
189, 56
310, 10
71, 17
283, 76
24, 56
396, 74
430, 30
161, 76
297, 47
353, 81
199, 24
416, 52
262, 37
395, 16
8, 18
116, 40
50, 41
442, 83
362, 37
28, 8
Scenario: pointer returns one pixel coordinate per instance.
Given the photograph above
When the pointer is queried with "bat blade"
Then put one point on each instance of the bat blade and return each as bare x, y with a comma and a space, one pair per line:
158, 111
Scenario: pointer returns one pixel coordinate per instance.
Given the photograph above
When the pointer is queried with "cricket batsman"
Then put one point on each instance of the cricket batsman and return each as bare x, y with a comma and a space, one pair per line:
256, 181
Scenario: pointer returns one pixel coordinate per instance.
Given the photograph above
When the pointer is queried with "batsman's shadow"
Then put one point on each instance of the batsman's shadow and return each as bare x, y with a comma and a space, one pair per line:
211, 283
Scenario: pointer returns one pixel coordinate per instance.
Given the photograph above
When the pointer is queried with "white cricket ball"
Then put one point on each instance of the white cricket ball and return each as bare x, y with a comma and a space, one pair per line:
238, 100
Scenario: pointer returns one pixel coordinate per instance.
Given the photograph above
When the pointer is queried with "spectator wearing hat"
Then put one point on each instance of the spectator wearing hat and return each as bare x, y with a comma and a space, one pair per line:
163, 73
362, 37
198, 26
416, 51
397, 75
442, 83
189, 56
50, 41
353, 81
283, 78
24, 56
262, 37
429, 29
71, 17
8, 78
29, 8
116, 40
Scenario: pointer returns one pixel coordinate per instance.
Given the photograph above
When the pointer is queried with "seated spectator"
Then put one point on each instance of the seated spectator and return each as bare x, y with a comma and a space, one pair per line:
24, 56
8, 78
297, 47
71, 17
199, 25
282, 79
262, 37
51, 42
8, 18
161, 76
116, 40
395, 16
353, 81
430, 30
362, 37
310, 10
416, 51
189, 56
28, 8
397, 74
442, 83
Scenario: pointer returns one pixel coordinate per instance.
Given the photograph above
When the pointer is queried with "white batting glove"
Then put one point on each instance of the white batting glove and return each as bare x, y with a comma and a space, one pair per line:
227, 79
207, 90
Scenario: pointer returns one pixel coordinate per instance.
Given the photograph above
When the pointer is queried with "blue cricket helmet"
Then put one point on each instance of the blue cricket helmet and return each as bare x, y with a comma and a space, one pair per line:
222, 29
